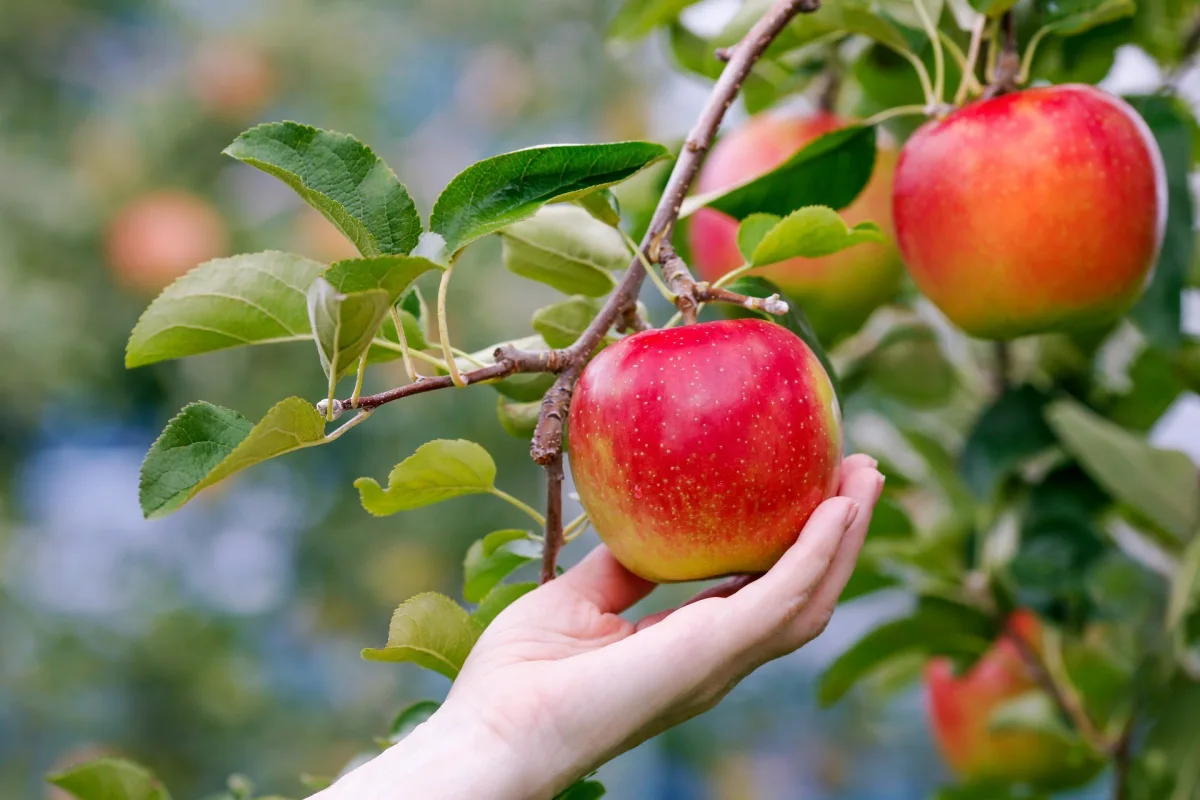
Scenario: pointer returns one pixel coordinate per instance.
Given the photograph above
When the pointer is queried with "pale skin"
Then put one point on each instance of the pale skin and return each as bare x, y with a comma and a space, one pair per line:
561, 683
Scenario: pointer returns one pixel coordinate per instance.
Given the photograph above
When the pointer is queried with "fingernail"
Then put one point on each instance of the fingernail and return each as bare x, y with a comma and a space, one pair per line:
874, 463
879, 485
851, 514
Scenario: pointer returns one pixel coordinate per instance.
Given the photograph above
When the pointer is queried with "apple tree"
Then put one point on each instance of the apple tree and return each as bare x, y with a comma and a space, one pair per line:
1006, 381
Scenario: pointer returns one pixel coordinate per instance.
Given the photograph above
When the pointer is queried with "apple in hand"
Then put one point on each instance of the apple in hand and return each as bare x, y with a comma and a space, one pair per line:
837, 292
961, 709
701, 451
1035, 211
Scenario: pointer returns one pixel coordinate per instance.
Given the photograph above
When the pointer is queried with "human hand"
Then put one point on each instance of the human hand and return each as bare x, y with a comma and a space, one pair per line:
560, 683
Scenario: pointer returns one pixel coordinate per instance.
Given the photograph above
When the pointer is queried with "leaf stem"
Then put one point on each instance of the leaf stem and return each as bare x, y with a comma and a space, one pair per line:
667, 294
358, 379
467, 356
732, 275
575, 527
528, 509
969, 83
329, 399
408, 364
357, 419
1030, 50
939, 57
444, 330
922, 74
898, 111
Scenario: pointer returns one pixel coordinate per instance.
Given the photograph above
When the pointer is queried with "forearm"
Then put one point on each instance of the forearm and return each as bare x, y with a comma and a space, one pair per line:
449, 757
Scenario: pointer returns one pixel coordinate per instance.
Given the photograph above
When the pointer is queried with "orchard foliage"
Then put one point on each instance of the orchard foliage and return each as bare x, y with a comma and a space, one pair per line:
1019, 474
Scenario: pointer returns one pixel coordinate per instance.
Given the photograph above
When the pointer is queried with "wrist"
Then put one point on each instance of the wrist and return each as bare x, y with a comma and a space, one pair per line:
454, 754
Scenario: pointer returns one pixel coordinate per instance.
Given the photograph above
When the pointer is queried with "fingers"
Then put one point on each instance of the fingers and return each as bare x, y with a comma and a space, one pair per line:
864, 487
725, 588
601, 580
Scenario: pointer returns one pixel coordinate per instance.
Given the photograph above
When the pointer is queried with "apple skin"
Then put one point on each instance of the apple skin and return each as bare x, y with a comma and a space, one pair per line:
701, 451
837, 292
1035, 211
961, 707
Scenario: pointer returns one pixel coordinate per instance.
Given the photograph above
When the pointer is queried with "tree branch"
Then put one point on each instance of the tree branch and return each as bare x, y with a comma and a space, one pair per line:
554, 519
690, 294
1008, 62
1066, 701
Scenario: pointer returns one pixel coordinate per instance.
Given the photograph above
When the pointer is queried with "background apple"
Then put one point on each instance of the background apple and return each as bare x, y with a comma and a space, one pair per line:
1032, 211
961, 709
837, 292
161, 235
701, 451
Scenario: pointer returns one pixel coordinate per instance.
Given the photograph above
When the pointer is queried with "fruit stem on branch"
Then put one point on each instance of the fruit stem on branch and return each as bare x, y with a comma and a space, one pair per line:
553, 538
1003, 373
969, 83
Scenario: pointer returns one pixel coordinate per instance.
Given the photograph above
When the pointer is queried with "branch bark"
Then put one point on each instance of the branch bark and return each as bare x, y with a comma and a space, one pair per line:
554, 518
1008, 62
1067, 703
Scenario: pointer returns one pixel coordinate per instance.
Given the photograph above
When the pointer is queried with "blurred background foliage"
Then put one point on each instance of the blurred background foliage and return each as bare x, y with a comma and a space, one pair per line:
226, 638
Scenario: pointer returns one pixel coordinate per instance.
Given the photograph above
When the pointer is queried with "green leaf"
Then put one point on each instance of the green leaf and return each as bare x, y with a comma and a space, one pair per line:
603, 205
934, 629
340, 177
992, 8
498, 599
393, 274
431, 631
1159, 313
110, 779
409, 718
859, 17
205, 444
582, 790
1185, 585
794, 320
751, 232
565, 247
499, 191
493, 558
1007, 434
1161, 486
830, 171
1069, 17
562, 323
811, 232
437, 471
344, 324
257, 298
636, 18
1032, 711
518, 419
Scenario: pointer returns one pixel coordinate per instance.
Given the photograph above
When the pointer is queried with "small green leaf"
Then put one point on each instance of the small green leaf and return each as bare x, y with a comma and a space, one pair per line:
499, 191
795, 320
934, 629
437, 471
603, 205
1069, 17
830, 171
565, 247
751, 232
498, 599
562, 323
1161, 486
582, 790
859, 17
636, 18
409, 718
431, 631
205, 444
1160, 313
493, 558
340, 177
1185, 585
812, 232
1007, 434
518, 419
258, 298
344, 324
110, 779
393, 274
1032, 711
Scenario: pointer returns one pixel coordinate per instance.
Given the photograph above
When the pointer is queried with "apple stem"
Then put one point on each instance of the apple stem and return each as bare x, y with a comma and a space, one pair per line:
1003, 367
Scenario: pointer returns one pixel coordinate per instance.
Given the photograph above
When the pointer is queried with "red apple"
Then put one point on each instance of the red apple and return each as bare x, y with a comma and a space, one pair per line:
837, 292
961, 709
701, 451
161, 235
1030, 212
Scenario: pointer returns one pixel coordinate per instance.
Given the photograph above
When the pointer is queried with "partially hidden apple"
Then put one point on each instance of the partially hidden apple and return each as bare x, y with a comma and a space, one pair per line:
161, 235
837, 292
701, 451
1030, 212
961, 709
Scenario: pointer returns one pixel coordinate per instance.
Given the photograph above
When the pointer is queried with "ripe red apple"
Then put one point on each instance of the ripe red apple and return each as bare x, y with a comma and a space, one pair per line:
701, 451
961, 708
837, 292
1035, 211
161, 235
